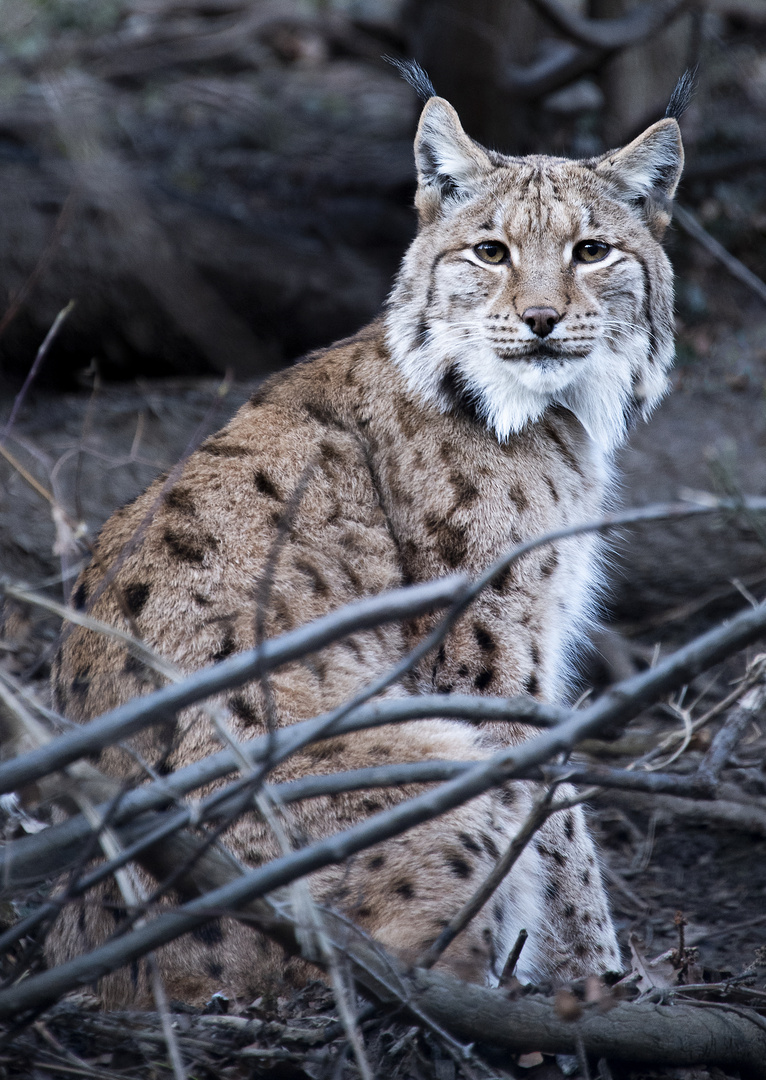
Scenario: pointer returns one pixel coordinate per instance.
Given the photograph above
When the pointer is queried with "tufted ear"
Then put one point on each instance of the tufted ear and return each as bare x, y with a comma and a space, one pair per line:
647, 170
449, 162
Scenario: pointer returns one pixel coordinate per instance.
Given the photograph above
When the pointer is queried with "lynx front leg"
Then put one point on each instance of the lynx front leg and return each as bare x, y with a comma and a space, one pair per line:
580, 938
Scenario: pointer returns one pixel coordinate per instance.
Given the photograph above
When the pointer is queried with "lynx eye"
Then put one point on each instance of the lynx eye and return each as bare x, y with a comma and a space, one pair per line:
590, 251
491, 251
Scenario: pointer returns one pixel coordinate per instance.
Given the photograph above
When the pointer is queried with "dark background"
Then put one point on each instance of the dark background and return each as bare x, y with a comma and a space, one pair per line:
225, 184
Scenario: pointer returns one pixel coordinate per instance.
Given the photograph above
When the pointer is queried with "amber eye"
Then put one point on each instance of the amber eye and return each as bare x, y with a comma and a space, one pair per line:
491, 251
590, 251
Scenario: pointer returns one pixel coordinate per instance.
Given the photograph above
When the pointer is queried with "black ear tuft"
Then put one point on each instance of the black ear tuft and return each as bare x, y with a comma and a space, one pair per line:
412, 72
681, 97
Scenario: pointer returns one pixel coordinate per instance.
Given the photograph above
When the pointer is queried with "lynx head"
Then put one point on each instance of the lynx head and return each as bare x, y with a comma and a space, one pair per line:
536, 281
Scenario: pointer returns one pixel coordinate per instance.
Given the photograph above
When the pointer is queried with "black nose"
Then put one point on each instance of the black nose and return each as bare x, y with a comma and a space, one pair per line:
541, 320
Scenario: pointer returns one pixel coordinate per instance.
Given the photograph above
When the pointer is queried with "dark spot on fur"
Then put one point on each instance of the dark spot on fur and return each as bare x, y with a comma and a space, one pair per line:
549, 565
532, 685
136, 594
209, 933
460, 397
80, 684
564, 451
351, 574
569, 828
352, 645
328, 452
518, 498
201, 599
490, 846
226, 648
501, 580
551, 890
188, 546
266, 486
484, 678
376, 862
459, 867
318, 583
372, 805
242, 708
450, 540
180, 499
322, 414
552, 488
132, 665
586, 916
468, 842
598, 948
217, 448
569, 911
484, 639
497, 913
551, 853
363, 912
80, 596
507, 796
325, 751
466, 492
214, 969
585, 877
405, 890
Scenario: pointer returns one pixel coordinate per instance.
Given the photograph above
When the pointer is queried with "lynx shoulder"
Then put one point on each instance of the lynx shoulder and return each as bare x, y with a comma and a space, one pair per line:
529, 325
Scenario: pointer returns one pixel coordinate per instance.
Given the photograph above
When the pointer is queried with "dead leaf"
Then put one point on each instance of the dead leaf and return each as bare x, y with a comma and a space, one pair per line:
658, 973
567, 1006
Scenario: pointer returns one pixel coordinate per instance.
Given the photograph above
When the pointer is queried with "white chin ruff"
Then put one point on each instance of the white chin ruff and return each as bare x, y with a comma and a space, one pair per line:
509, 394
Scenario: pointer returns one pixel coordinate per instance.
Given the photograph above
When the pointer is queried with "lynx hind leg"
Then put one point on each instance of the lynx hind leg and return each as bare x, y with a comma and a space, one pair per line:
406, 890
580, 938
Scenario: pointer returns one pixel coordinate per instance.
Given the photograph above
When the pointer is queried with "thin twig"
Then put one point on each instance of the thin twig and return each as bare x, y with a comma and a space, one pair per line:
737, 269
32, 374
734, 728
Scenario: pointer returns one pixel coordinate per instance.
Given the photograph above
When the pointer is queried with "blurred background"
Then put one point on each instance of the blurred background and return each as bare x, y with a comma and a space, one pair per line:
227, 183
221, 185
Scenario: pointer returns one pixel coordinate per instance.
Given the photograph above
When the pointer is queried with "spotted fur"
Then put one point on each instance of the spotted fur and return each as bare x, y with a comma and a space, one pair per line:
431, 441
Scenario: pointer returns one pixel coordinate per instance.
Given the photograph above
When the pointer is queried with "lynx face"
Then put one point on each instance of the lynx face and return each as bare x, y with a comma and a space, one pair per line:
538, 281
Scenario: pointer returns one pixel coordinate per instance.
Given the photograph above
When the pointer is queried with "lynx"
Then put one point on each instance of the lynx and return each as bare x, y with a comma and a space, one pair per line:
529, 326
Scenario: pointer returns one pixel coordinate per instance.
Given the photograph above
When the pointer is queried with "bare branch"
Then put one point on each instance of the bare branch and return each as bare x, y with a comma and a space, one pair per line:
620, 703
737, 269
589, 42
154, 708
735, 726
726, 814
41, 354
642, 22
681, 1033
